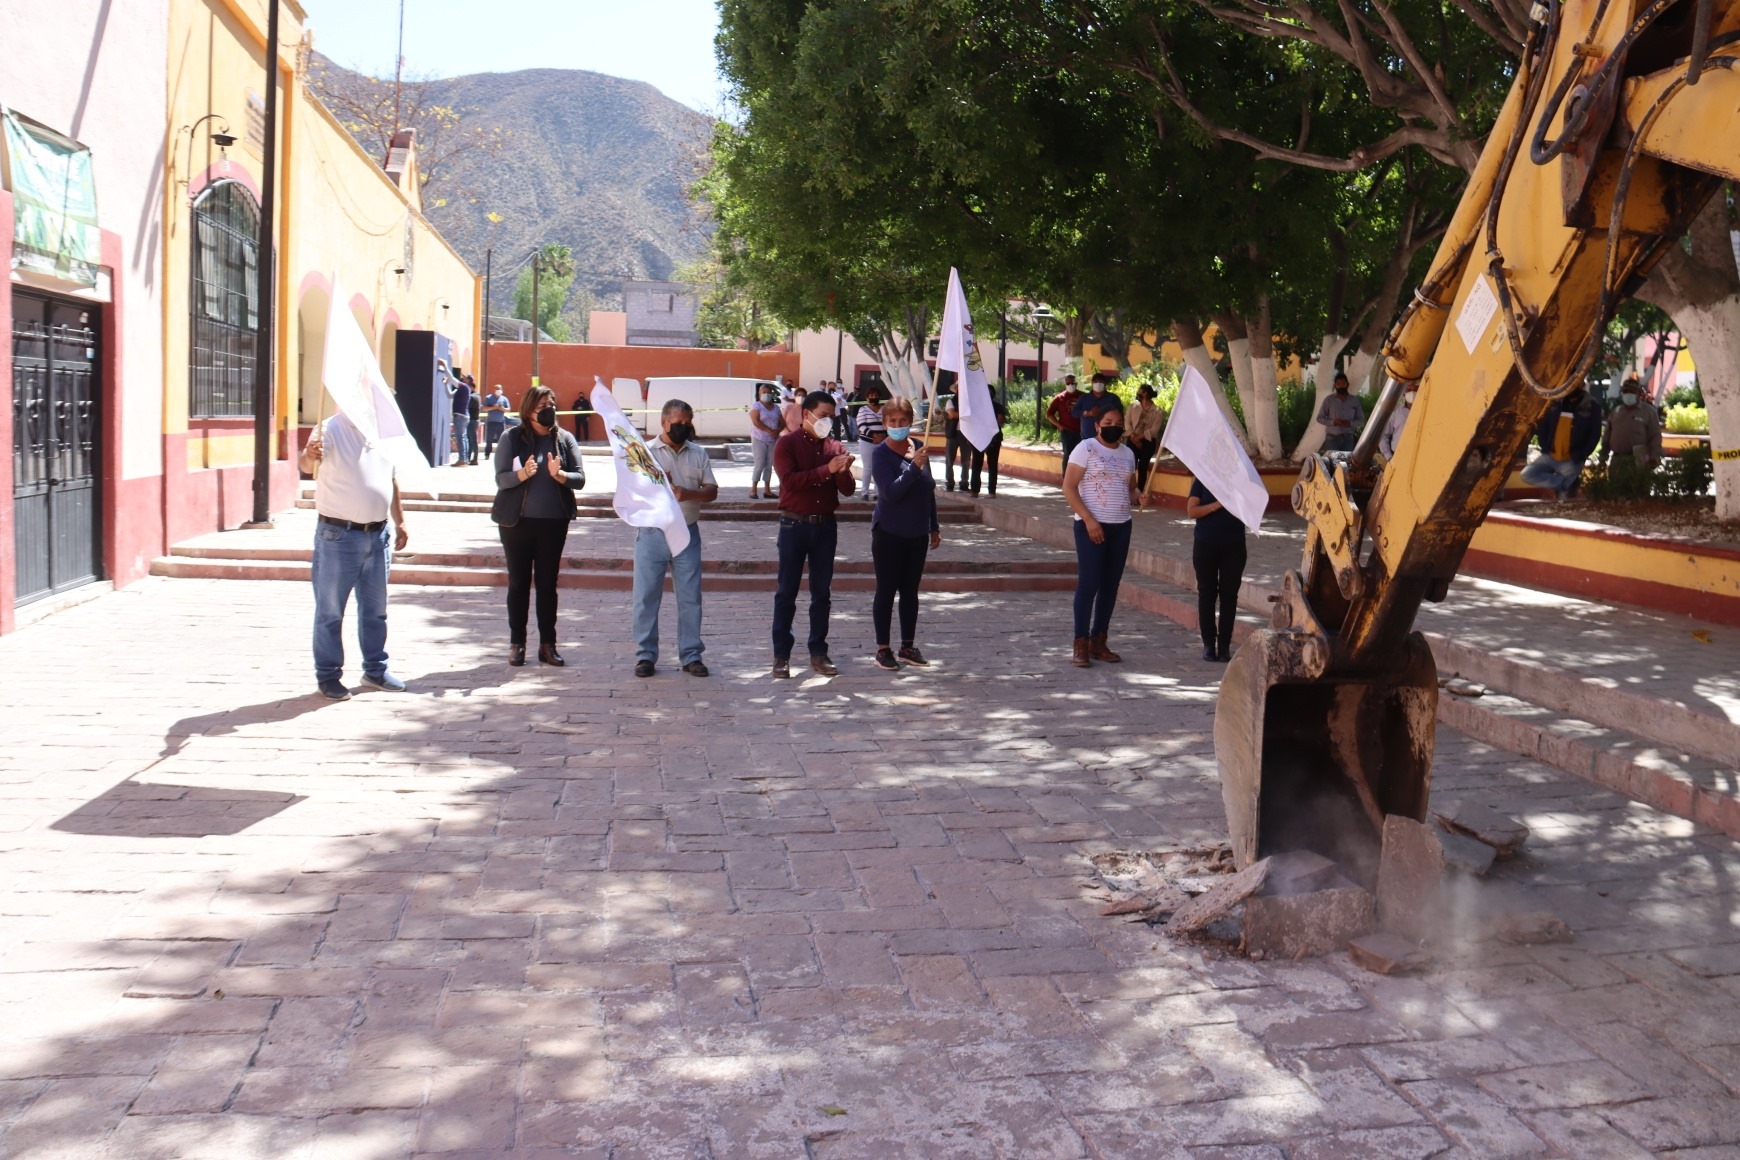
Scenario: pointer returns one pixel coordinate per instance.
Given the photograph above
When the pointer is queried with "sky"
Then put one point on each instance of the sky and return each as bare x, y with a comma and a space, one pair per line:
667, 43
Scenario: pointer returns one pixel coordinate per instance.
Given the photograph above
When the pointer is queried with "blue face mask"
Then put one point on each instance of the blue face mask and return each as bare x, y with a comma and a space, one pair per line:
899, 433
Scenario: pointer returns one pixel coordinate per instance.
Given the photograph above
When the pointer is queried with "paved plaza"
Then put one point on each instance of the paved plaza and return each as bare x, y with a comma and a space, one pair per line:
571, 913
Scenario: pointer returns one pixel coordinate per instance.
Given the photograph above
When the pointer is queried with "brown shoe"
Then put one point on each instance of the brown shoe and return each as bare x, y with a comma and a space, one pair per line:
1083, 652
1098, 650
824, 666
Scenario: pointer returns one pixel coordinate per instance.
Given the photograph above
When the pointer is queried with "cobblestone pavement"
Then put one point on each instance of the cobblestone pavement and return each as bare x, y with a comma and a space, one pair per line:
566, 912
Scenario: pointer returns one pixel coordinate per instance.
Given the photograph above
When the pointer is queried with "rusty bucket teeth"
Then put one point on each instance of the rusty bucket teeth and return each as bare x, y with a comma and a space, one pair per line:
1315, 763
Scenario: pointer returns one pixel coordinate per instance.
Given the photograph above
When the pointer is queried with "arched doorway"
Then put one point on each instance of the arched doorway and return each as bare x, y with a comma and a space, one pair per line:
311, 314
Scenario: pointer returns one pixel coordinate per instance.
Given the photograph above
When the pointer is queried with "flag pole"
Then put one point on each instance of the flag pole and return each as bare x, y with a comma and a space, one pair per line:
935, 376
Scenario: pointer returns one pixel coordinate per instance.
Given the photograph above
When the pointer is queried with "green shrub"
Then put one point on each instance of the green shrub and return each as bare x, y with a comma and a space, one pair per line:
1686, 419
1685, 476
1688, 474
1684, 396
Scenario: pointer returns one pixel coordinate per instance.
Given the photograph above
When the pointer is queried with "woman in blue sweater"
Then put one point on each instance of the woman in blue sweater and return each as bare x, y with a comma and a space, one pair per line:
902, 530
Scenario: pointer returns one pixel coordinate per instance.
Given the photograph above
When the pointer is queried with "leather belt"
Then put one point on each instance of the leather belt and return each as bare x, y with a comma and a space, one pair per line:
353, 525
793, 518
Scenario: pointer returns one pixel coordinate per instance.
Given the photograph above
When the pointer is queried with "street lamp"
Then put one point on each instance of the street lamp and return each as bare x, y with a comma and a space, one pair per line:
1041, 315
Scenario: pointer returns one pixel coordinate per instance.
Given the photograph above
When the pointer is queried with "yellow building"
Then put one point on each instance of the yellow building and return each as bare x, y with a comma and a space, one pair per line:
340, 214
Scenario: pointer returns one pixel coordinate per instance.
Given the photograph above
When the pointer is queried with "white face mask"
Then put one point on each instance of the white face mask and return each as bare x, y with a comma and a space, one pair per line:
820, 425
1408, 399
1628, 398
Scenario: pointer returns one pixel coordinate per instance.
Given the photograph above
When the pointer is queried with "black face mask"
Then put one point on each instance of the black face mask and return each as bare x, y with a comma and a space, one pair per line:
1112, 434
546, 416
681, 433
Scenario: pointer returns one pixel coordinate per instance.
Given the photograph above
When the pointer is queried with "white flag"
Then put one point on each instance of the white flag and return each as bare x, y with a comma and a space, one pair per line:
352, 376
644, 498
1200, 436
957, 350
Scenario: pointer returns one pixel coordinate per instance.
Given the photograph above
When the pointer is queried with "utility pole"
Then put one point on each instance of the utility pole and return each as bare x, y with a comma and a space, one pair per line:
398, 73
839, 353
265, 332
488, 259
537, 263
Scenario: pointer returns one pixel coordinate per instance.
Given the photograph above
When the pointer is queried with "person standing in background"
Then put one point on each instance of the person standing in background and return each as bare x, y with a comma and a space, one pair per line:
1100, 485
871, 431
1061, 413
954, 446
583, 407
1633, 428
1145, 421
474, 410
843, 426
1568, 434
690, 472
903, 530
537, 472
992, 452
495, 409
1342, 415
1218, 555
1398, 419
1089, 407
765, 428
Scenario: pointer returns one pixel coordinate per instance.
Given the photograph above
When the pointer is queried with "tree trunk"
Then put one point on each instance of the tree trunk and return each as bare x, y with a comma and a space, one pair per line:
1075, 328
1265, 418
1333, 345
1238, 350
1188, 335
1359, 368
1699, 288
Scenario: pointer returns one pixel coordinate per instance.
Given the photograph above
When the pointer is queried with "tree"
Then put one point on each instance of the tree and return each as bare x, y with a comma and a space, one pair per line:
555, 266
373, 110
729, 316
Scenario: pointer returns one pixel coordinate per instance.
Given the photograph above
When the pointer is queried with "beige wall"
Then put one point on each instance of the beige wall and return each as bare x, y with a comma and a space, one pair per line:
94, 70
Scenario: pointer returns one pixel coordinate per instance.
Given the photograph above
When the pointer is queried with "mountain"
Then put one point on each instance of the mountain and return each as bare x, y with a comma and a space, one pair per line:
597, 163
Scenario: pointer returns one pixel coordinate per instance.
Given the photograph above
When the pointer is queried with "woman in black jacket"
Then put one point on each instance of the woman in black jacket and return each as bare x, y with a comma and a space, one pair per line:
537, 472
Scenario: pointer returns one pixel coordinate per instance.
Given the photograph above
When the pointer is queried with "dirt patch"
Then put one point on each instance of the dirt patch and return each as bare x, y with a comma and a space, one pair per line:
1693, 519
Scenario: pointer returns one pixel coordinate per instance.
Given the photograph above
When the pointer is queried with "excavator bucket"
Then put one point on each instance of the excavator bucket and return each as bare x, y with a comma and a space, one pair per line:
1315, 762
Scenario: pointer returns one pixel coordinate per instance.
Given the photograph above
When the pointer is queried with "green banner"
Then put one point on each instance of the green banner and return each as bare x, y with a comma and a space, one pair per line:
54, 202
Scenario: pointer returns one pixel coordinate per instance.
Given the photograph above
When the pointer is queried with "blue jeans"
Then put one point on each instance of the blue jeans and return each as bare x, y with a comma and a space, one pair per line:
346, 561
803, 543
1559, 474
1099, 570
652, 554
462, 437
1339, 442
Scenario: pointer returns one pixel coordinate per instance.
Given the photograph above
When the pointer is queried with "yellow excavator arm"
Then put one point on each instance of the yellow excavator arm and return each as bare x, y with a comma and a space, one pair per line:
1624, 119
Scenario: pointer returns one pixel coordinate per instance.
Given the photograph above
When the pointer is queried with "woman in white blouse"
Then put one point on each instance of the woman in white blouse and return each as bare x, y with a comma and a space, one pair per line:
1099, 482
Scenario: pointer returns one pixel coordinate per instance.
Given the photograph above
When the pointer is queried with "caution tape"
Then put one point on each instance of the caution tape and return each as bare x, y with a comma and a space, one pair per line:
1730, 453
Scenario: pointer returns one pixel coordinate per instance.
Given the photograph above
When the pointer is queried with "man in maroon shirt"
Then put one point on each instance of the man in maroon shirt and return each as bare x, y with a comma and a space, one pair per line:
814, 472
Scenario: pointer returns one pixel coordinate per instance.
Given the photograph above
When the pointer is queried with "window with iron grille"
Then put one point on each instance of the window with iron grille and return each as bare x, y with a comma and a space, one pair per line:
225, 303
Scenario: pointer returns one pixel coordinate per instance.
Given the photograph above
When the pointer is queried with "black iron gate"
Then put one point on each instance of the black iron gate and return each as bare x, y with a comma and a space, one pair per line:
56, 501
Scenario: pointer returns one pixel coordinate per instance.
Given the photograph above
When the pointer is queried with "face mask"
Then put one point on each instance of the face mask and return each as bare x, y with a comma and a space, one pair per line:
1099, 388
1628, 398
546, 416
1341, 390
820, 425
1408, 399
899, 433
681, 433
767, 398
1111, 434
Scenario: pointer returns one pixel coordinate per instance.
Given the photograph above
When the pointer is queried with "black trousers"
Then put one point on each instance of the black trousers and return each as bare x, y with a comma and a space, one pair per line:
1220, 568
534, 553
899, 564
1144, 462
956, 448
989, 456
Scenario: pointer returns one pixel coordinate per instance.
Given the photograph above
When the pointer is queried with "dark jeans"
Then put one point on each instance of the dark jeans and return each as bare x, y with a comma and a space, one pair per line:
802, 543
992, 452
492, 436
957, 448
1219, 570
1070, 439
534, 549
899, 567
1144, 462
1099, 570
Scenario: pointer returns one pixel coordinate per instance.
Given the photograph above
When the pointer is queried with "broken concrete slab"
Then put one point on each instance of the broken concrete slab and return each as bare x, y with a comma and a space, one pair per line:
1219, 899
1410, 888
1299, 872
1387, 954
1466, 854
1315, 922
1503, 833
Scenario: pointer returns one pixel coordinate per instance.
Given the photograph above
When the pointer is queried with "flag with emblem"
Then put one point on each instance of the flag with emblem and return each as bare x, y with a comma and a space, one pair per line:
644, 498
1201, 437
957, 350
353, 378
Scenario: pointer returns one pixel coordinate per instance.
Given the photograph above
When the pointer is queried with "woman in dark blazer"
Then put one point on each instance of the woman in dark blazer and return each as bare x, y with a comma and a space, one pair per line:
537, 472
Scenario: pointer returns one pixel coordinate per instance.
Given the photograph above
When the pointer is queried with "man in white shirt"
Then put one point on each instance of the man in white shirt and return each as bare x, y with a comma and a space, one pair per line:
691, 474
355, 495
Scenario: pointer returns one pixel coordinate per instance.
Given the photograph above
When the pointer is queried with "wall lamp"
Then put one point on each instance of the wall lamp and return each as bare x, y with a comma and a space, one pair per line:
221, 137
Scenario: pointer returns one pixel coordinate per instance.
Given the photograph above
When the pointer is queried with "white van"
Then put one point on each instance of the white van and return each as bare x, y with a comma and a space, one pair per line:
721, 405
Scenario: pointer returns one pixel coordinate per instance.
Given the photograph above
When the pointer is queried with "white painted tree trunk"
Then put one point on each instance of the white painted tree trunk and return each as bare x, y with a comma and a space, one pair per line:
1359, 369
905, 377
1239, 351
1312, 440
1264, 413
1197, 356
1713, 334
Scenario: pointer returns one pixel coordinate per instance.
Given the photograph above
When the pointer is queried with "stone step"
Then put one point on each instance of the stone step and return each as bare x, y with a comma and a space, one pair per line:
493, 558
282, 566
598, 507
1703, 735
